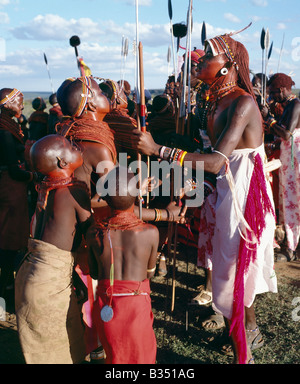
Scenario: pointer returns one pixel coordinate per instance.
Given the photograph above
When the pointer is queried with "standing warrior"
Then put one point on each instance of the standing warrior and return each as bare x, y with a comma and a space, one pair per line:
86, 106
14, 179
243, 255
288, 129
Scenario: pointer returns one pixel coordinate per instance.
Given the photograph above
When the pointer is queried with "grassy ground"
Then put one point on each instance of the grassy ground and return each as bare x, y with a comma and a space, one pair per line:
182, 339
180, 336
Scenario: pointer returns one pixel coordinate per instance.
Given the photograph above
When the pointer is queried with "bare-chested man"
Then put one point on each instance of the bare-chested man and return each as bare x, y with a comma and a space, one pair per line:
234, 127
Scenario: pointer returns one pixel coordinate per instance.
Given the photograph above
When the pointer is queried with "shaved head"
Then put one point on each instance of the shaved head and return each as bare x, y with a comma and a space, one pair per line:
120, 188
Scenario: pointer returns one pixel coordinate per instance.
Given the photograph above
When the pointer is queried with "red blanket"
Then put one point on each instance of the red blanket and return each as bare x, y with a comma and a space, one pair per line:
129, 337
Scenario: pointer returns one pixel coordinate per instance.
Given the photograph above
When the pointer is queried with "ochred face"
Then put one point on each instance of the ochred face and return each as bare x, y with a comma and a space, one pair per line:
209, 66
101, 102
276, 94
16, 106
121, 101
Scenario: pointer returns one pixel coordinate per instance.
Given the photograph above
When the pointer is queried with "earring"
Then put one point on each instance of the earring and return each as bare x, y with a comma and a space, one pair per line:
224, 71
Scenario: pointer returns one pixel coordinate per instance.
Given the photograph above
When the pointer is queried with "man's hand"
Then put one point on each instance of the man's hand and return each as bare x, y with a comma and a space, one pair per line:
176, 213
143, 142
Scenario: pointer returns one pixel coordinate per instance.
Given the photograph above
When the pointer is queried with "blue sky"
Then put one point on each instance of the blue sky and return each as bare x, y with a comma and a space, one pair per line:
28, 28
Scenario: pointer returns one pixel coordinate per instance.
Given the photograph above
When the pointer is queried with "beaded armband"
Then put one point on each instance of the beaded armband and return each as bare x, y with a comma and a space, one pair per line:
270, 122
172, 155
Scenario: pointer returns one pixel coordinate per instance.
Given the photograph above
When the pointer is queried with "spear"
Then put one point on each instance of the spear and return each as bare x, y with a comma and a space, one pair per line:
281, 49
267, 44
262, 44
142, 109
169, 59
170, 10
124, 54
75, 42
185, 73
186, 76
203, 34
46, 61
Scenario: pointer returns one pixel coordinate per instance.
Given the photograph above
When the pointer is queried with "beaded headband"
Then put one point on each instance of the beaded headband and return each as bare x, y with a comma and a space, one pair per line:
220, 45
117, 90
14, 93
86, 94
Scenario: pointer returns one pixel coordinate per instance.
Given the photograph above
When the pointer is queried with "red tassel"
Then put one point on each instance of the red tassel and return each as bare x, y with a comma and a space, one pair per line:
257, 206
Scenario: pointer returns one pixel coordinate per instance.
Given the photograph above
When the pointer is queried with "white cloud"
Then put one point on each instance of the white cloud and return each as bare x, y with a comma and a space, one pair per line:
230, 17
146, 3
54, 27
4, 2
4, 18
281, 26
14, 70
259, 3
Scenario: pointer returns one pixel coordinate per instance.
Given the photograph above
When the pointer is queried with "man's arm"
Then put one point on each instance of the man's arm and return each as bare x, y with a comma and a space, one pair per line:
95, 249
285, 132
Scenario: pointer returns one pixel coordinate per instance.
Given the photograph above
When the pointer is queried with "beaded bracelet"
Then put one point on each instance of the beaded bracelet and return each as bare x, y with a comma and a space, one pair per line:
172, 155
157, 215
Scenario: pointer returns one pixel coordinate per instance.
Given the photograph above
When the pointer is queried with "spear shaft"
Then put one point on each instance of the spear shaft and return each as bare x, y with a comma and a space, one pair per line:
46, 61
281, 49
172, 36
267, 43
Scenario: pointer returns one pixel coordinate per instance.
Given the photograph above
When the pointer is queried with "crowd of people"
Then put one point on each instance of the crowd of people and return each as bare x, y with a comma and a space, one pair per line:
82, 235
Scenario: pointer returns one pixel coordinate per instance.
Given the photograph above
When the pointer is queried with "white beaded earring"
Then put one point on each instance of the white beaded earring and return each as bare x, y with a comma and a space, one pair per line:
224, 71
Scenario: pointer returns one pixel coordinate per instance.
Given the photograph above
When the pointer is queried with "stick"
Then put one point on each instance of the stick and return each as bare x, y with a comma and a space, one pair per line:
203, 34
75, 42
46, 61
267, 43
172, 36
124, 54
182, 113
262, 44
281, 49
174, 267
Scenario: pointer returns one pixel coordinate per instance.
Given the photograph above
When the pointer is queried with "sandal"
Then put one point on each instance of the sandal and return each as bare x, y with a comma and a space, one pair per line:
203, 298
215, 321
254, 338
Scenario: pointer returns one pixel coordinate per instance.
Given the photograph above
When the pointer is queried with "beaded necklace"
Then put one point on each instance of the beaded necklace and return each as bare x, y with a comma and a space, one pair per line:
290, 98
212, 99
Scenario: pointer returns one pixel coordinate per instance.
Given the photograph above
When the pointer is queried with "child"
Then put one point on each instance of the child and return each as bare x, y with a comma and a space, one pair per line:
48, 316
123, 252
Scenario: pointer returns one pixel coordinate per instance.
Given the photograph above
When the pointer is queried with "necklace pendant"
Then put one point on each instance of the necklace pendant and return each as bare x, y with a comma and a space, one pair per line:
107, 313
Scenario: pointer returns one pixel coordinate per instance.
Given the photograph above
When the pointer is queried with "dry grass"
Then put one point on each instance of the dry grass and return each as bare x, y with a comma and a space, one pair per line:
179, 344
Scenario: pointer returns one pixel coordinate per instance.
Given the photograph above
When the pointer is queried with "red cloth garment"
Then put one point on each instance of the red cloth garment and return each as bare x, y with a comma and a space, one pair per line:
129, 337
